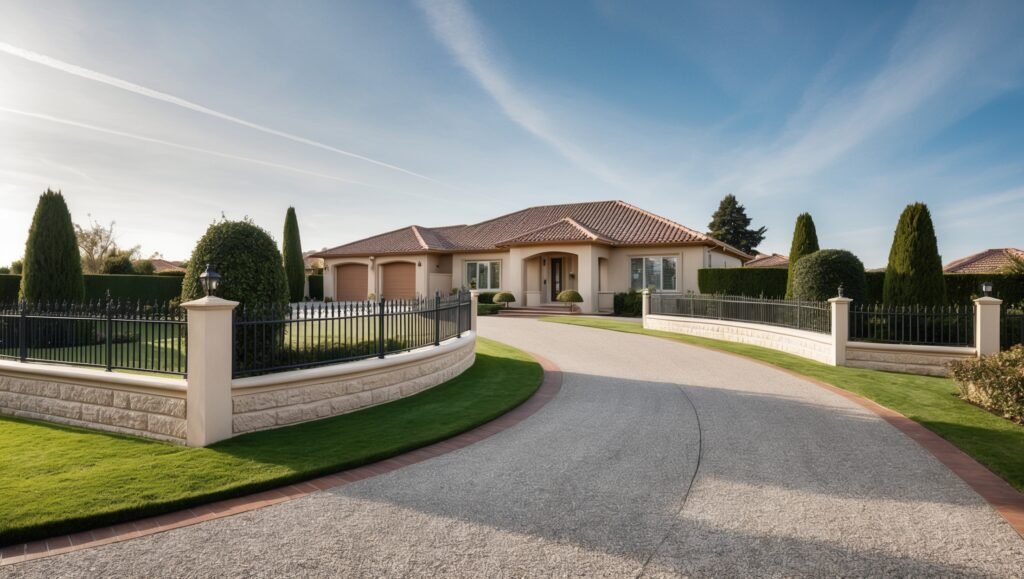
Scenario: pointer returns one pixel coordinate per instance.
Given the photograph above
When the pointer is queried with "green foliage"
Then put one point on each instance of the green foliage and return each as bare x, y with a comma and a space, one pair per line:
486, 297
876, 283
570, 297
962, 288
5, 270
743, 281
630, 304
994, 382
316, 287
805, 242
119, 263
504, 298
487, 309
17, 267
819, 275
1016, 266
247, 259
145, 267
143, 288
731, 225
294, 265
9, 286
914, 273
53, 268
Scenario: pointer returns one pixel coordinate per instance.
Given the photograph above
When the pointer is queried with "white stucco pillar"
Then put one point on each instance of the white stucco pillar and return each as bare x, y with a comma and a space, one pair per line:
513, 276
645, 308
986, 325
840, 330
208, 401
474, 301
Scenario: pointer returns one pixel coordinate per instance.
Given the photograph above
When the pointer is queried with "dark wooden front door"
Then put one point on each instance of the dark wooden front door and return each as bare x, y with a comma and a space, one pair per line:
556, 277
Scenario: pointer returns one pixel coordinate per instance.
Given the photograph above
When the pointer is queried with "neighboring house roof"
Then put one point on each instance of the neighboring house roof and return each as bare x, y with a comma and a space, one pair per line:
162, 265
609, 222
988, 261
311, 262
765, 260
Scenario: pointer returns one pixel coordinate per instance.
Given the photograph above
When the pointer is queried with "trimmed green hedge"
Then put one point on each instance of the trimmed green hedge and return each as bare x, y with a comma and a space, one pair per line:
875, 286
9, 285
146, 288
629, 304
743, 281
487, 309
961, 288
316, 287
486, 297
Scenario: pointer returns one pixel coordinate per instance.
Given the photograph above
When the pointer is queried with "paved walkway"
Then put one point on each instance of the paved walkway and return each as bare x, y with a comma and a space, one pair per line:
655, 459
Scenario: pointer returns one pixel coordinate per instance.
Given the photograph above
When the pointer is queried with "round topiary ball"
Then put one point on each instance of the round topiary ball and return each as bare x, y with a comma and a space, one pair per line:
504, 298
817, 276
247, 259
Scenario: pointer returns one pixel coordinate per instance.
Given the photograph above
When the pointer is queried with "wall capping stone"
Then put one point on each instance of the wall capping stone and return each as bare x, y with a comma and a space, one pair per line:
99, 378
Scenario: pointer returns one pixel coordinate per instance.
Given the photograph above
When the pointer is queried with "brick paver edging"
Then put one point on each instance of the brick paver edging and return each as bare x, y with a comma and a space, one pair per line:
999, 494
149, 526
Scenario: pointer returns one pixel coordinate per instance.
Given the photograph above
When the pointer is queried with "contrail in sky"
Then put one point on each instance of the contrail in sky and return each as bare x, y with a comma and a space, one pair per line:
171, 99
71, 123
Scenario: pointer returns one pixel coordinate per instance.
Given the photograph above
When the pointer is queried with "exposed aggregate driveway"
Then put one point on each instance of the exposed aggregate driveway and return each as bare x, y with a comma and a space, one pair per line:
656, 459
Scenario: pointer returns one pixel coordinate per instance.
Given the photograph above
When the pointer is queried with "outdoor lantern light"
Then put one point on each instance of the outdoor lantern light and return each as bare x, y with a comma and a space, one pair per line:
986, 287
210, 280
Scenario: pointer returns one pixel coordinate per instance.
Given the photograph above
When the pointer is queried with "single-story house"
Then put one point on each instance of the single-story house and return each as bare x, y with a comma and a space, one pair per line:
774, 260
988, 261
597, 249
312, 264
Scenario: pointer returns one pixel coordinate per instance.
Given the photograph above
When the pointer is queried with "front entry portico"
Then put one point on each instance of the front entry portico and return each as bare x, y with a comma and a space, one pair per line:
548, 274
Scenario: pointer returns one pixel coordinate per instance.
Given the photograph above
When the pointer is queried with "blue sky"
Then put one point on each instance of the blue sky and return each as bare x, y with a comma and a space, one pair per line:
367, 116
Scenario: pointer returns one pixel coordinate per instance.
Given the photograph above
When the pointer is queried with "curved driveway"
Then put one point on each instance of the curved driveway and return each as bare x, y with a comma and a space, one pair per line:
656, 458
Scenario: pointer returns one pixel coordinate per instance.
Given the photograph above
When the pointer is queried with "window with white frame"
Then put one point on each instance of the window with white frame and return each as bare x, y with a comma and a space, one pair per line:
483, 275
653, 272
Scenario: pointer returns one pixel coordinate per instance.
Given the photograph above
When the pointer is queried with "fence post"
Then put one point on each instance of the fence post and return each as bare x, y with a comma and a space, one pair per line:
474, 302
645, 306
109, 330
437, 318
22, 332
458, 315
840, 330
380, 328
986, 325
208, 413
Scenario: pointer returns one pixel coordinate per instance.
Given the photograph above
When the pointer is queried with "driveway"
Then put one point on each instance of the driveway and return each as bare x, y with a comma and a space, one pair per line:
655, 459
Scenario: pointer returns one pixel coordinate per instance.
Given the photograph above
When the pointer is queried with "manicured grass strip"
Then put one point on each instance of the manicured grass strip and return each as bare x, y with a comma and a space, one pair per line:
933, 402
56, 479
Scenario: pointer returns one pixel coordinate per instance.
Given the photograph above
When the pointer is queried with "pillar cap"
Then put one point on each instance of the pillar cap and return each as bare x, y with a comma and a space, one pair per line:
988, 301
210, 303
840, 300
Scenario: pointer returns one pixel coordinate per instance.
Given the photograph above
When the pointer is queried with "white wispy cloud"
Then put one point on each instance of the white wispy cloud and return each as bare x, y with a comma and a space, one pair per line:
456, 27
180, 102
114, 132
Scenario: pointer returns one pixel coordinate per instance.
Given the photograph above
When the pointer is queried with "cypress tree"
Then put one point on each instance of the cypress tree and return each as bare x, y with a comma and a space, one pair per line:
805, 242
731, 225
52, 268
291, 249
914, 273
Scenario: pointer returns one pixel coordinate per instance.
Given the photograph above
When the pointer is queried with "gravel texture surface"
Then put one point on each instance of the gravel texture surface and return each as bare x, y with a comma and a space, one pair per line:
656, 459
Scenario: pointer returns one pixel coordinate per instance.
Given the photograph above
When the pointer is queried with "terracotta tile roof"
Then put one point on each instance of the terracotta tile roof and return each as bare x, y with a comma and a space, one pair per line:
612, 222
162, 265
765, 260
988, 261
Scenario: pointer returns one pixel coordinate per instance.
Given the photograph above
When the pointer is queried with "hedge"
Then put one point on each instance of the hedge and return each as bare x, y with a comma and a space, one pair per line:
316, 287
820, 275
486, 297
876, 285
743, 281
629, 304
961, 288
146, 288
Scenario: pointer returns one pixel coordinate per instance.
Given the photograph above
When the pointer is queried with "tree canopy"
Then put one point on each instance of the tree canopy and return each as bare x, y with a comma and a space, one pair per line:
914, 273
294, 265
731, 225
52, 269
805, 242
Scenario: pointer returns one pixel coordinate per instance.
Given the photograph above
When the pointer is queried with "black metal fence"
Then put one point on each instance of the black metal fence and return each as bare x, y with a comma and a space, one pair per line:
112, 335
282, 337
1012, 327
919, 325
801, 315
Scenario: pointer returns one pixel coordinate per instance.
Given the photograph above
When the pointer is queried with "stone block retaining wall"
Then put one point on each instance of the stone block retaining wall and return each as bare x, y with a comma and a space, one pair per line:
801, 343
925, 360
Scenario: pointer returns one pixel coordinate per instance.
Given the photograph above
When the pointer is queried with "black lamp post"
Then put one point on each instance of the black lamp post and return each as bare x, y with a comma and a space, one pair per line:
210, 280
986, 288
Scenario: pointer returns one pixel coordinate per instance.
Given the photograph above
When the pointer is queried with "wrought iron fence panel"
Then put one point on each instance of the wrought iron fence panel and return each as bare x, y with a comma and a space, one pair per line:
1012, 327
912, 325
801, 315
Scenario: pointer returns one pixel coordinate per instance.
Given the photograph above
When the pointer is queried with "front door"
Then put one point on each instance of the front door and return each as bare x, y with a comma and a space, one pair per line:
556, 277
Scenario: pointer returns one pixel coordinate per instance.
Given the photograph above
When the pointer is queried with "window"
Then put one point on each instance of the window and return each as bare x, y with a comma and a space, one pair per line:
483, 274
652, 272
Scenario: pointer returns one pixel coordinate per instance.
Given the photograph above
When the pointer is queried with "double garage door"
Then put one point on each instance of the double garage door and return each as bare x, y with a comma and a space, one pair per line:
398, 281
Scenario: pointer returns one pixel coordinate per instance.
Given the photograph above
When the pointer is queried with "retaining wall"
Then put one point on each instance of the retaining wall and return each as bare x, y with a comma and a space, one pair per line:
925, 360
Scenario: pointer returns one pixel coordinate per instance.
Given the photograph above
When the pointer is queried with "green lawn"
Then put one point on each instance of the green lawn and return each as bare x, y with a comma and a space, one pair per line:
56, 479
933, 402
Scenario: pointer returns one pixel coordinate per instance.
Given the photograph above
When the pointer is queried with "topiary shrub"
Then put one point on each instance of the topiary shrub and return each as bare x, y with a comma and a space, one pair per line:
994, 382
805, 242
571, 297
818, 276
629, 304
504, 298
487, 309
52, 265
247, 259
294, 264
486, 297
914, 273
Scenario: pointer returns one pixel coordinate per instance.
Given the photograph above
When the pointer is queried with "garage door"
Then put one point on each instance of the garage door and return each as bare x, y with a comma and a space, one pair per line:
399, 281
350, 283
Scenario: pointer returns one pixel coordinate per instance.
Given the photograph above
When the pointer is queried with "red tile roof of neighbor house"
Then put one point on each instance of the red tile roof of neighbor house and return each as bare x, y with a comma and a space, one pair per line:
162, 265
614, 223
765, 260
988, 261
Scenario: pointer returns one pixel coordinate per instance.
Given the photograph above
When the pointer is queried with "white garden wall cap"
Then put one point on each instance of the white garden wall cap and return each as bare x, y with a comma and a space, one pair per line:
390, 362
988, 301
840, 300
210, 303
96, 377
913, 348
804, 334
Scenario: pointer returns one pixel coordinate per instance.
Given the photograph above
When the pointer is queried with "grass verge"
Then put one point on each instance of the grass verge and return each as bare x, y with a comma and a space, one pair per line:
995, 442
56, 479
